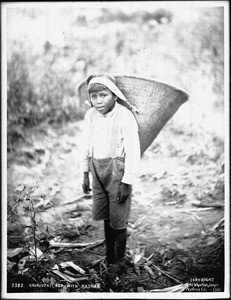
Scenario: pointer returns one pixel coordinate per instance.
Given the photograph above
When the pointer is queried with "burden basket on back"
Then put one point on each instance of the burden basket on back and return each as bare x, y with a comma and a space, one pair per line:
154, 102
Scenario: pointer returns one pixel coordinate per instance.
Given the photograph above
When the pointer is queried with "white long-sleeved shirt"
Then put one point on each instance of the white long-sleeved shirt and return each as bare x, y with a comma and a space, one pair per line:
99, 137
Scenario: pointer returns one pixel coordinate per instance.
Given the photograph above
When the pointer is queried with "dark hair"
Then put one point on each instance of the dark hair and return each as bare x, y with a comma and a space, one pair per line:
96, 87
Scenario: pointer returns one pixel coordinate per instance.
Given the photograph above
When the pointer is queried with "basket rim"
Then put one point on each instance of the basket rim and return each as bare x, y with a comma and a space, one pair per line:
145, 79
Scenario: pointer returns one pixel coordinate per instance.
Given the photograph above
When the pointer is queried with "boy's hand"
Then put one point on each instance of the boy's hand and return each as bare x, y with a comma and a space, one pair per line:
86, 184
124, 192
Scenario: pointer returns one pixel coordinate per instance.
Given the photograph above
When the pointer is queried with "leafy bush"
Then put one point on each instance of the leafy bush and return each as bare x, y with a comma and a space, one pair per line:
36, 92
20, 94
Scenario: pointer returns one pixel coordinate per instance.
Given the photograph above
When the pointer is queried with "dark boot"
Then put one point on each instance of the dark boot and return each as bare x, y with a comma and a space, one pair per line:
110, 242
120, 247
120, 243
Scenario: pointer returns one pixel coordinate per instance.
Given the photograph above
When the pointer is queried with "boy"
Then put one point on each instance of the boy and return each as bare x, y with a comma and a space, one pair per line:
111, 154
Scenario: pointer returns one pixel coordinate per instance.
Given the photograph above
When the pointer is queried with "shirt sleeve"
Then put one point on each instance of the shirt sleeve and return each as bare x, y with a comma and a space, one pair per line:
85, 143
132, 149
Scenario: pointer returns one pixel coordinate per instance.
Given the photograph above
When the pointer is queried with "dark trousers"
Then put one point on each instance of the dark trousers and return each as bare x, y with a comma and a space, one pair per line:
107, 174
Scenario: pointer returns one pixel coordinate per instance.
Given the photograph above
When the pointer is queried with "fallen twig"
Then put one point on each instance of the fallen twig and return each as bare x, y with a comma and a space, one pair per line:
148, 259
194, 209
69, 273
93, 245
214, 205
74, 266
67, 245
69, 278
167, 274
75, 245
218, 224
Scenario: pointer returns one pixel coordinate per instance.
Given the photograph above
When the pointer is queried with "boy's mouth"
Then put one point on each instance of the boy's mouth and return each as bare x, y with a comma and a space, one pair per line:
100, 107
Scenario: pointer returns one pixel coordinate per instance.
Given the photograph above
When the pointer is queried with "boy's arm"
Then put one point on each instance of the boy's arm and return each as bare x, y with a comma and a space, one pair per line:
86, 183
85, 155
85, 144
132, 158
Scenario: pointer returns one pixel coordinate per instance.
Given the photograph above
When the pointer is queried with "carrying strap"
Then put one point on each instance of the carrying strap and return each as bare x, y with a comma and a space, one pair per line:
115, 132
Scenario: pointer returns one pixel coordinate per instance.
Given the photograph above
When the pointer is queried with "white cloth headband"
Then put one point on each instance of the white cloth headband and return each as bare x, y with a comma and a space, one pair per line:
110, 85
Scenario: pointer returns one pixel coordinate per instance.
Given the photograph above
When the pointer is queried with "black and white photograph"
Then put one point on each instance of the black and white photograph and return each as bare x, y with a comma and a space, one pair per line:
115, 150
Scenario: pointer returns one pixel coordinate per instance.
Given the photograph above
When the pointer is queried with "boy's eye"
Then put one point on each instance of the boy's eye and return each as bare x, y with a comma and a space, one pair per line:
101, 95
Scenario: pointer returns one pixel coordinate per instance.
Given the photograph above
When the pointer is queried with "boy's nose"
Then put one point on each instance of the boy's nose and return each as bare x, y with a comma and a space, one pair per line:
99, 99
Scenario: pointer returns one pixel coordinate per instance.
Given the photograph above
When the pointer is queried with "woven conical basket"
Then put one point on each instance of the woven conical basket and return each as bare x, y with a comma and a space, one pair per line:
155, 102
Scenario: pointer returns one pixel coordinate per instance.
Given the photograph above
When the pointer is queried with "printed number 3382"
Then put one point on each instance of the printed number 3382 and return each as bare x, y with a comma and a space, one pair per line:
16, 285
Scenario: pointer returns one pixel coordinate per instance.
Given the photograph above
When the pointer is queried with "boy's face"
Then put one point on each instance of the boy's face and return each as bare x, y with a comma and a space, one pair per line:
103, 101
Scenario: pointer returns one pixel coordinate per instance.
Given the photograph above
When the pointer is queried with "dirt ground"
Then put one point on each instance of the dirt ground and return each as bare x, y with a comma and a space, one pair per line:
177, 199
